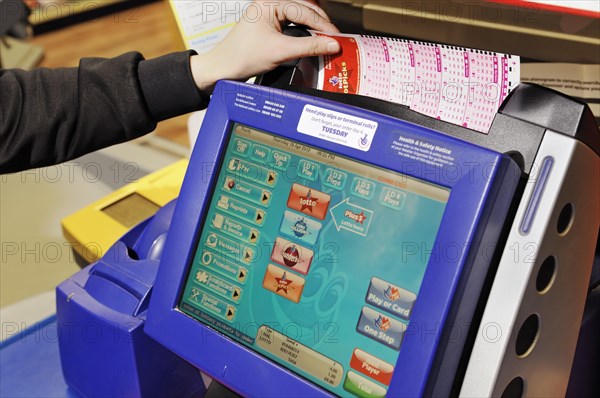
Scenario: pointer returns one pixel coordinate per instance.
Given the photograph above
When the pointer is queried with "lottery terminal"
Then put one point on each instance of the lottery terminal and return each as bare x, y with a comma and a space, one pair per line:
326, 244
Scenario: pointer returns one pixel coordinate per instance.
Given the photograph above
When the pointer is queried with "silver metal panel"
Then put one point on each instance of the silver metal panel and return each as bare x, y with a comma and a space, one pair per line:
544, 368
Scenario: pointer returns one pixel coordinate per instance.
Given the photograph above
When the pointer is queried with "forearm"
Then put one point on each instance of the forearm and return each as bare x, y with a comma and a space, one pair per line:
51, 116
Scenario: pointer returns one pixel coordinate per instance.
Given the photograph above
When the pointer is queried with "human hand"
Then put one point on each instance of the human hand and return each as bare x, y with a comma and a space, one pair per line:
31, 3
256, 44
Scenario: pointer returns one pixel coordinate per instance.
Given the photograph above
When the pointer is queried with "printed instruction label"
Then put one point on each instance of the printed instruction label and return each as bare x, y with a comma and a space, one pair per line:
422, 151
341, 128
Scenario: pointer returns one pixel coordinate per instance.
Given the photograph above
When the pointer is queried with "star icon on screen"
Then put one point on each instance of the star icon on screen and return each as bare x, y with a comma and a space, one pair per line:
361, 218
308, 202
283, 283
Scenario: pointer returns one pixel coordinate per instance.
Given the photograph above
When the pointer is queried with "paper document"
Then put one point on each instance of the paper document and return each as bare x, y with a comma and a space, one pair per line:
203, 24
458, 85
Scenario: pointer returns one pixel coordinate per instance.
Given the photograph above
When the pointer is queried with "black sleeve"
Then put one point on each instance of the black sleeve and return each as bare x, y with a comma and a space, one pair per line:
48, 116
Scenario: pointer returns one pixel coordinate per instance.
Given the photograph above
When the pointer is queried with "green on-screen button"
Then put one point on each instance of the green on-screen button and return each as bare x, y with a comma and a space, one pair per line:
363, 387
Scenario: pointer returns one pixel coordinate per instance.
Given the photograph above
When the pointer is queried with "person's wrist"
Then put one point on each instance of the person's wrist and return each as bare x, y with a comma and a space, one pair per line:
207, 69
202, 73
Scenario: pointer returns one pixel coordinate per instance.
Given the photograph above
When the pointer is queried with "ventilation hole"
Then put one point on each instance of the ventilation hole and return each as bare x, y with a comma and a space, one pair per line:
514, 389
132, 254
565, 219
527, 335
545, 274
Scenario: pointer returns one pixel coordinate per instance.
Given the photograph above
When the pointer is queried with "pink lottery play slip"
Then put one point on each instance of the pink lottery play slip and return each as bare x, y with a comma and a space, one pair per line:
458, 85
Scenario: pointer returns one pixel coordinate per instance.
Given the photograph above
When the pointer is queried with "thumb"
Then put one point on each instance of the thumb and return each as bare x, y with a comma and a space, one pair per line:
298, 47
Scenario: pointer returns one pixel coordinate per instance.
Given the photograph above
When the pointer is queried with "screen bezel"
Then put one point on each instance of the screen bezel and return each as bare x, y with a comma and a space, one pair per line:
229, 361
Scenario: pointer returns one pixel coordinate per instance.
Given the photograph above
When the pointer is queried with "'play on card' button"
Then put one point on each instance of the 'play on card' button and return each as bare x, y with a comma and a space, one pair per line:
390, 298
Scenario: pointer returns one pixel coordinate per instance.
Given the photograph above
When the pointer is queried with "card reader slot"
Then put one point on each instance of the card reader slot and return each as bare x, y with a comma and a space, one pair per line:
114, 286
116, 279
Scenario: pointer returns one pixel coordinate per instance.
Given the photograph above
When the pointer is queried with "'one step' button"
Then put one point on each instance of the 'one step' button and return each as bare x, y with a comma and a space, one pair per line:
381, 327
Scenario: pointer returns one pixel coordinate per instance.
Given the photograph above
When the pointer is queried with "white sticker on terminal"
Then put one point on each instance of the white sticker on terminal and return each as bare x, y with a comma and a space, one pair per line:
341, 128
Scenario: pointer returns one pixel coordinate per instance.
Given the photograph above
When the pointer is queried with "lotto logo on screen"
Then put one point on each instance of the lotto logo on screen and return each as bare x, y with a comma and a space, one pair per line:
309, 201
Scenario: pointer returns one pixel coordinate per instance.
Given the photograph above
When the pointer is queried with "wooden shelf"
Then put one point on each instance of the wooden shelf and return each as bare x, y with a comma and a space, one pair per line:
150, 29
50, 16
52, 11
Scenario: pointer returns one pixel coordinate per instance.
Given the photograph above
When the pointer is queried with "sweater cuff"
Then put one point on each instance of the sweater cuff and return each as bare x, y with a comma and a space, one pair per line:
169, 87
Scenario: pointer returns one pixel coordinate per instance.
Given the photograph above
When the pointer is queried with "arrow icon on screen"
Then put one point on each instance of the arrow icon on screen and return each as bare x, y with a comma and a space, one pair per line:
351, 217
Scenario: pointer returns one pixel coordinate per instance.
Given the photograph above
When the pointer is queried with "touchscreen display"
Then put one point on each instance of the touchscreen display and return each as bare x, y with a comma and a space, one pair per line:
312, 259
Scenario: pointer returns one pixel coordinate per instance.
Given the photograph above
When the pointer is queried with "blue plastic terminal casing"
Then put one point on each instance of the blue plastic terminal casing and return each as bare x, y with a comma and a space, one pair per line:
101, 311
481, 184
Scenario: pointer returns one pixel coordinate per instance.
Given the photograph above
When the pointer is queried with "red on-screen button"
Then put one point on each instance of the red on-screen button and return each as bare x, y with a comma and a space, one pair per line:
371, 366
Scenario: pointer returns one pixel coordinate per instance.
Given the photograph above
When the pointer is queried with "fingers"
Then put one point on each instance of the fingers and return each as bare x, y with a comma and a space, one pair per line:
314, 5
295, 47
305, 12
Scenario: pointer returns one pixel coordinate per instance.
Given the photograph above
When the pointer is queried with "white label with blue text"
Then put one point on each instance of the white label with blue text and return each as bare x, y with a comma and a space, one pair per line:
341, 128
